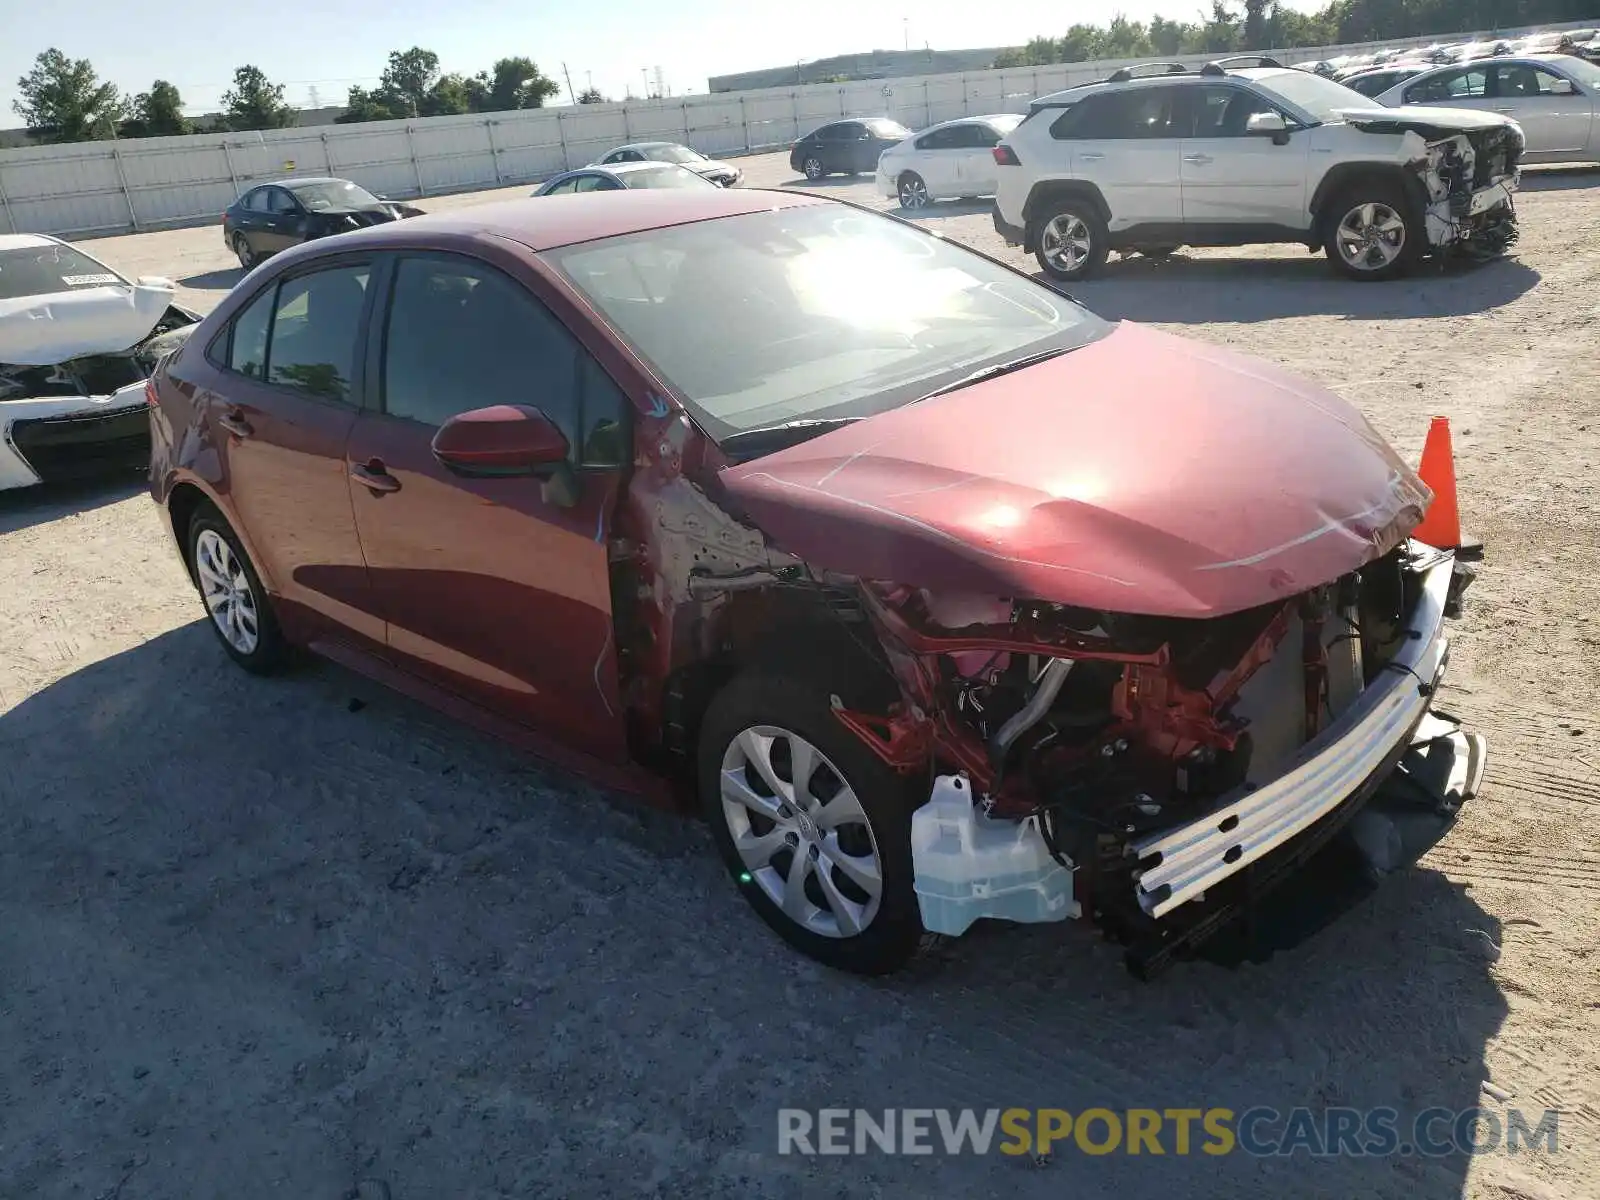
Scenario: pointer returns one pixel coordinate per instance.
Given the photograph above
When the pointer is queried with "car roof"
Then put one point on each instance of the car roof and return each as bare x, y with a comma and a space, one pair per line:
299, 181
27, 241
542, 226
644, 146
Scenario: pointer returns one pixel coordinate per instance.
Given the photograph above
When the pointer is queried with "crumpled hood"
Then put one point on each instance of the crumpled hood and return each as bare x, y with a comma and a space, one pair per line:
1423, 118
1143, 473
40, 331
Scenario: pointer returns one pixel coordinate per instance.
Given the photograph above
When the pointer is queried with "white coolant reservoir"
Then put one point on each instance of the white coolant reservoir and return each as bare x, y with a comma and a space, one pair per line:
968, 866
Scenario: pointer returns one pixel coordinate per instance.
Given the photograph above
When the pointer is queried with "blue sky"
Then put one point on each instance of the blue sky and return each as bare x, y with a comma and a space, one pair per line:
330, 44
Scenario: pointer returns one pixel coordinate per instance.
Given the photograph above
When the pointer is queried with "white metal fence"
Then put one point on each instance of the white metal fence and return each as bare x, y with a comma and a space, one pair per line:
128, 186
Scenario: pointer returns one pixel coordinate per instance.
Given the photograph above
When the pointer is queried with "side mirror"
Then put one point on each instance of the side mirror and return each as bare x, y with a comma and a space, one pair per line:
1563, 87
507, 439
1268, 124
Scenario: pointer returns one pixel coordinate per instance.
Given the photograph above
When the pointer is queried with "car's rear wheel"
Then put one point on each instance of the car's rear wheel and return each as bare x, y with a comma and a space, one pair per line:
1371, 234
913, 191
815, 828
1072, 242
241, 614
813, 168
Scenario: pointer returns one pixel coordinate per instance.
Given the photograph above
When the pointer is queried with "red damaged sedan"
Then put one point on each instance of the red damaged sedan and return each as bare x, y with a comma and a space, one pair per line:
950, 599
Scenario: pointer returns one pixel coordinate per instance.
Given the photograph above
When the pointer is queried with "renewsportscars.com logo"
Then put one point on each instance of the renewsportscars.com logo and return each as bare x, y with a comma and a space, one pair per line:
1259, 1132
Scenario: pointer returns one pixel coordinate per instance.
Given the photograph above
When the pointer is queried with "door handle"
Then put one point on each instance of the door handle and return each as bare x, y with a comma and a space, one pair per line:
1199, 160
235, 424
1092, 157
374, 476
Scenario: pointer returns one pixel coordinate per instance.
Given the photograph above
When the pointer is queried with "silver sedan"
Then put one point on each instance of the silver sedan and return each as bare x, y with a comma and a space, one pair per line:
622, 175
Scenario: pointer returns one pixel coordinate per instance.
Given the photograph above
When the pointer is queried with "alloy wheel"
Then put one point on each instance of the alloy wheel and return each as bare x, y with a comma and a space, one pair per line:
1371, 237
1066, 241
913, 192
800, 831
227, 592
812, 168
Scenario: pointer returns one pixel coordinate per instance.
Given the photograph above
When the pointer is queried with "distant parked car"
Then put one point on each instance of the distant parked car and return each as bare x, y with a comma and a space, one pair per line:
845, 147
720, 173
621, 176
1552, 96
274, 216
1375, 81
955, 158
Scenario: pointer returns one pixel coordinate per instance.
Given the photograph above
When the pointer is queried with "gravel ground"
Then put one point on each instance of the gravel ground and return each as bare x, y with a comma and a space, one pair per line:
300, 937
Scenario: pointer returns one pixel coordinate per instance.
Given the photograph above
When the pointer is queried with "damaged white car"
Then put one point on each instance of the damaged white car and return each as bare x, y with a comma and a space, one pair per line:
77, 342
1159, 157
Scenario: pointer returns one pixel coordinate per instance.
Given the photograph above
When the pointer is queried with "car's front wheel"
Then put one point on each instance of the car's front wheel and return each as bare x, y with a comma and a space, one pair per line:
813, 168
1072, 242
1371, 234
241, 614
913, 191
813, 826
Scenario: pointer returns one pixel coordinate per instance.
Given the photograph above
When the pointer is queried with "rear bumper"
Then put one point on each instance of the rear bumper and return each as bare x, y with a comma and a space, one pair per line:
1343, 764
1014, 235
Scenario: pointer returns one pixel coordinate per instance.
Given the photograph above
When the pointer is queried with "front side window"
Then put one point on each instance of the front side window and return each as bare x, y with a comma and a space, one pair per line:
280, 202
1219, 111
1518, 82
316, 323
462, 336
562, 188
1471, 84
807, 312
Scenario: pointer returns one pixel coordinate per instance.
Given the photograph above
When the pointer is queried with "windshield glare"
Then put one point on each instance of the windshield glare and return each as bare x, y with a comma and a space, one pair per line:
49, 270
888, 129
673, 154
813, 312
664, 176
323, 197
1322, 98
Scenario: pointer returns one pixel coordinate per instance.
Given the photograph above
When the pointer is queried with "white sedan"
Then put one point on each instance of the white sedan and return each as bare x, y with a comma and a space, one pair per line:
77, 342
1552, 96
952, 159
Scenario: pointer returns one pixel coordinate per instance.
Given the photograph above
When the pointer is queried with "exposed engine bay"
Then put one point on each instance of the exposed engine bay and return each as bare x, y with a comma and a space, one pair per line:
98, 374
1468, 178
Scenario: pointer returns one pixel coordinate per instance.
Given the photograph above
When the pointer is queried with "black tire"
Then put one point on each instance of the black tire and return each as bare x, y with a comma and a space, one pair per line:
270, 652
813, 168
1388, 203
1078, 222
913, 192
248, 258
894, 933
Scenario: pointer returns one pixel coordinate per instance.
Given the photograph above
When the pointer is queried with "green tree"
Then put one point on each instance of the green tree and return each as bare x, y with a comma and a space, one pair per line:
1125, 39
364, 105
1255, 24
448, 96
1082, 43
405, 84
513, 83
63, 100
591, 95
254, 102
158, 113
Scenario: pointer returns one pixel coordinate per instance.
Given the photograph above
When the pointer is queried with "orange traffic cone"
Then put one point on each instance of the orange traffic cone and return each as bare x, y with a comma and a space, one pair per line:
1441, 525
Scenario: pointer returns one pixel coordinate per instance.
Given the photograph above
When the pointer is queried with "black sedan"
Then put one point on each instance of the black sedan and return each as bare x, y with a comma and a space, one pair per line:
274, 216
846, 147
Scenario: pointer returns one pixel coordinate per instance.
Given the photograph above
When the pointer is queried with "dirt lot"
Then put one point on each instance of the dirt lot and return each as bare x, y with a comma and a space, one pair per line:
257, 938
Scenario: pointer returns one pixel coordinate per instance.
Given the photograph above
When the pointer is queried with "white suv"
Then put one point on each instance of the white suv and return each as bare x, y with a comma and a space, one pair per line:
1159, 157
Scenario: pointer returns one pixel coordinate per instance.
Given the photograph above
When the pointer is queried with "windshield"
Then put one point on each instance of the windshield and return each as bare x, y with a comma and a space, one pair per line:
1005, 123
884, 128
815, 312
673, 154
1322, 98
1585, 72
335, 194
48, 270
665, 175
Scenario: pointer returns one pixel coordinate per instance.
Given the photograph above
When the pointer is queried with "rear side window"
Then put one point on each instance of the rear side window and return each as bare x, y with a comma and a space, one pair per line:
315, 325
939, 139
1132, 115
247, 351
462, 336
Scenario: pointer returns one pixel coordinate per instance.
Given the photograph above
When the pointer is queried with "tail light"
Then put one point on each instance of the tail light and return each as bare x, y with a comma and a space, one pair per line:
1005, 156
151, 399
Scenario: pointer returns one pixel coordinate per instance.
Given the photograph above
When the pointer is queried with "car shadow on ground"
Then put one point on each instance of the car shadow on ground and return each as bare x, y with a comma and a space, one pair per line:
21, 508
216, 281
1205, 290
1560, 179
302, 925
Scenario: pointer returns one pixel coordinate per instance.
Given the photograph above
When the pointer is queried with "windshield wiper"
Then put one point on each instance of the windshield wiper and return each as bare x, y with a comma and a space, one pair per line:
995, 371
774, 437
